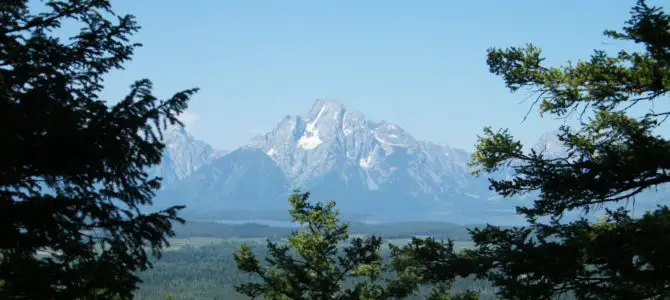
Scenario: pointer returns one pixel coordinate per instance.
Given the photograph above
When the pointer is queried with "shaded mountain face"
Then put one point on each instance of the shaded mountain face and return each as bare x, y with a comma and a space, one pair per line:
245, 179
372, 169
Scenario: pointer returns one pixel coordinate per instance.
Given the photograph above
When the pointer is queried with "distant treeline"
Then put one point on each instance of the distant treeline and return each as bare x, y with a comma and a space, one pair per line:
439, 230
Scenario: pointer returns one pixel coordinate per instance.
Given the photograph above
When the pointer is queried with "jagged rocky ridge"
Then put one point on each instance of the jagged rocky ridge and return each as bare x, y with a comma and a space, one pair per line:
373, 169
183, 155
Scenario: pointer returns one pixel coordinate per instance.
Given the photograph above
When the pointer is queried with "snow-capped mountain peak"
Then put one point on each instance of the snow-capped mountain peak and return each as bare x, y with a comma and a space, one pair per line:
333, 141
321, 124
369, 167
392, 135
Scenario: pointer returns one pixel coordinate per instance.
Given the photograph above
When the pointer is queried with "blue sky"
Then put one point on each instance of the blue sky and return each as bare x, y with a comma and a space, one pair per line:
419, 64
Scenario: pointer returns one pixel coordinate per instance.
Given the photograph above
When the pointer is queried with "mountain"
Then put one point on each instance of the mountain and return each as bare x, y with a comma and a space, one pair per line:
243, 179
374, 170
183, 155
368, 166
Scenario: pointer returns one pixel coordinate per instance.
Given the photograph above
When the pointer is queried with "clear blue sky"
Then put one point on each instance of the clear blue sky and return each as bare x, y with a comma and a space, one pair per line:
419, 64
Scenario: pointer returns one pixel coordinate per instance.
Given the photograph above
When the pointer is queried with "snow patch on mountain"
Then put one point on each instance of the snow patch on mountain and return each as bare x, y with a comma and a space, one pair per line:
310, 138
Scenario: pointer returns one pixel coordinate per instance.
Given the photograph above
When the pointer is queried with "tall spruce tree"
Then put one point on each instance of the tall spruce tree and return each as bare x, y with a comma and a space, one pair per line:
613, 156
72, 166
313, 264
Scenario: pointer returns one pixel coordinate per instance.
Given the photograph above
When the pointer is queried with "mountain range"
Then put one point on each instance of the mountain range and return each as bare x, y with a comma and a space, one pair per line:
374, 170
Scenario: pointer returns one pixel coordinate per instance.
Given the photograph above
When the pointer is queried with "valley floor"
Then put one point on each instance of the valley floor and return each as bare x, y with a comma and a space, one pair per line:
199, 268
199, 264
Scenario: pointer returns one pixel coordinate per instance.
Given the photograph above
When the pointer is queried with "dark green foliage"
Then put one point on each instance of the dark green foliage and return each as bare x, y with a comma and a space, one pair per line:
312, 265
322, 261
612, 156
425, 263
71, 166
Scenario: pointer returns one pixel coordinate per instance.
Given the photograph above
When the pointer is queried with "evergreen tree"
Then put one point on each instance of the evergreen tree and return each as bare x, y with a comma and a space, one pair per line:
613, 156
72, 166
313, 264
317, 263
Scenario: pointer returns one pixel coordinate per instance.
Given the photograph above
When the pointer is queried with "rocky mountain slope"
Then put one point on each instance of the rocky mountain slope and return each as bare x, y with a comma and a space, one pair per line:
183, 155
373, 169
